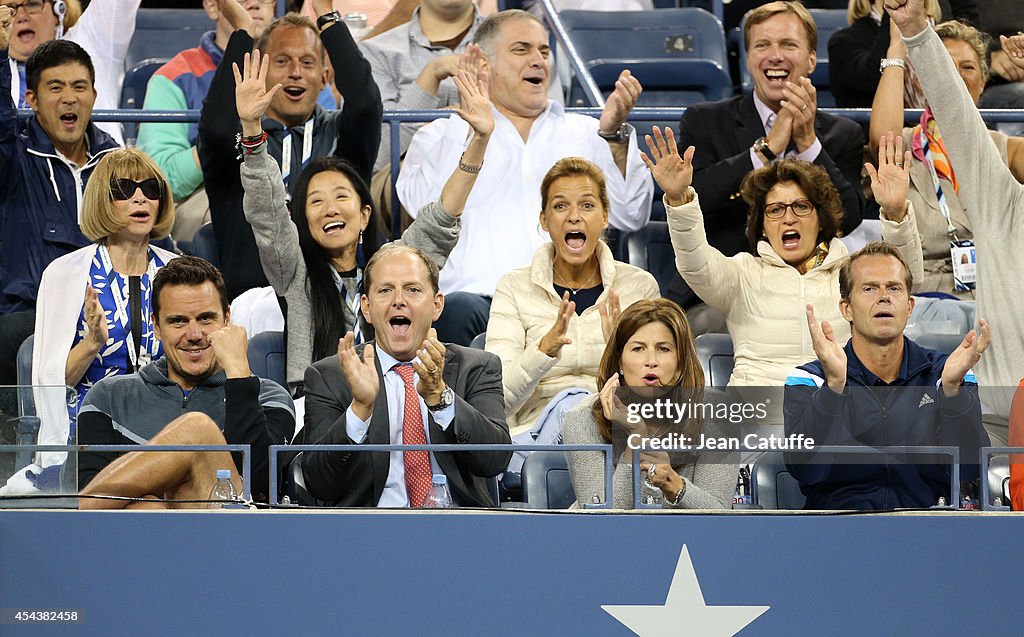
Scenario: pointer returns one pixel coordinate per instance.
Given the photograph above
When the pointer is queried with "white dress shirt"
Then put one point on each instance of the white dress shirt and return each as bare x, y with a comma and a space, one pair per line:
501, 225
395, 493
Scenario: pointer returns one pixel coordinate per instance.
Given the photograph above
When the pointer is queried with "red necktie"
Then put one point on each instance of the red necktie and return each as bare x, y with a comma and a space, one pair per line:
417, 463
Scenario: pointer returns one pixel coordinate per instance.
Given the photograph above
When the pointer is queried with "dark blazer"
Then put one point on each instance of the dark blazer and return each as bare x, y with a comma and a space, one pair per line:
723, 132
356, 479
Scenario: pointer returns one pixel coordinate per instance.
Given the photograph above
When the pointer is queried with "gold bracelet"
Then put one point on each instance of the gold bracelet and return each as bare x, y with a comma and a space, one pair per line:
464, 167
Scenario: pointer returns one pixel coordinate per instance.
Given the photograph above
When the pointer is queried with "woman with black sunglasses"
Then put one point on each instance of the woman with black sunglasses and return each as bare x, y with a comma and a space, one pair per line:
126, 205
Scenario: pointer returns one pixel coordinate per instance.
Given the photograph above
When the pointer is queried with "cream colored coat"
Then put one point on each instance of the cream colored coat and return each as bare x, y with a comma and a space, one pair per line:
762, 297
524, 309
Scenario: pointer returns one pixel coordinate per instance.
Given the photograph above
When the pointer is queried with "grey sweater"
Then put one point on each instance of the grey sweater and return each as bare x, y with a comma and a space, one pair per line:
994, 203
709, 485
435, 232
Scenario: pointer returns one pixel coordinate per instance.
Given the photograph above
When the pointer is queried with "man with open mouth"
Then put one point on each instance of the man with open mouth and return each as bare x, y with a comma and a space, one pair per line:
882, 389
405, 387
742, 133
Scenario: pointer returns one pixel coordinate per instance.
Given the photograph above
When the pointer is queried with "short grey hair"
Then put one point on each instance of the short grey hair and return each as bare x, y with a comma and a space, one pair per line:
487, 32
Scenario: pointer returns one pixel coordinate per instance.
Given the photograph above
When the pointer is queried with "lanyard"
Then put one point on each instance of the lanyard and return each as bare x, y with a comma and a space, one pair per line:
122, 305
943, 205
350, 298
286, 149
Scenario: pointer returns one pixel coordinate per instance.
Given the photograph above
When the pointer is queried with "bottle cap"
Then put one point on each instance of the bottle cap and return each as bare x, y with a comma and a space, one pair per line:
223, 474
440, 478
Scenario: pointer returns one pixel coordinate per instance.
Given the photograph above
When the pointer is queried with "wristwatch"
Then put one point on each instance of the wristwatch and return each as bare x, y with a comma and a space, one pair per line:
620, 136
447, 398
328, 18
888, 62
761, 146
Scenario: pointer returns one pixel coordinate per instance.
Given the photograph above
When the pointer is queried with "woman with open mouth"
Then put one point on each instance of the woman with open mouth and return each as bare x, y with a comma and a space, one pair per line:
313, 254
792, 225
126, 205
550, 320
650, 350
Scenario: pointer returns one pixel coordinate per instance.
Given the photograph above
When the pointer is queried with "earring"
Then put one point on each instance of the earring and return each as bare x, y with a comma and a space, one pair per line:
360, 237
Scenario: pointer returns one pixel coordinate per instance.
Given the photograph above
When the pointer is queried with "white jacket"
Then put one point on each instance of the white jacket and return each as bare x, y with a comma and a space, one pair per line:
524, 309
59, 305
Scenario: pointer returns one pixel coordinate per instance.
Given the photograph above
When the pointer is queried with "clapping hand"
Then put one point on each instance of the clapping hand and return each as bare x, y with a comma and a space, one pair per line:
361, 375
620, 103
964, 357
829, 351
251, 95
609, 311
891, 181
429, 366
552, 342
673, 173
92, 310
801, 102
6, 25
1013, 52
474, 94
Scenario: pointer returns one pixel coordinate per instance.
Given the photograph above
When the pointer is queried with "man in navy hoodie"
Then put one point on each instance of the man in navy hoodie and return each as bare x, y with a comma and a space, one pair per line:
882, 389
44, 165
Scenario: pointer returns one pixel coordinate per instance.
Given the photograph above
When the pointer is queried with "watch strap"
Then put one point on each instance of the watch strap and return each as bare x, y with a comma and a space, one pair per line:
328, 18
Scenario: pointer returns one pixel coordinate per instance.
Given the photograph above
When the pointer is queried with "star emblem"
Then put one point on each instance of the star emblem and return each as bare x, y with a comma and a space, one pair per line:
684, 610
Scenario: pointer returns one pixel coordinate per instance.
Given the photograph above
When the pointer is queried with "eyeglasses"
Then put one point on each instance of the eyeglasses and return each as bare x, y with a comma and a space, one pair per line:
124, 189
800, 207
31, 6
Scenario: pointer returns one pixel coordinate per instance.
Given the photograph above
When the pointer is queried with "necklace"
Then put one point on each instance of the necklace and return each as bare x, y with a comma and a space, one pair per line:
582, 287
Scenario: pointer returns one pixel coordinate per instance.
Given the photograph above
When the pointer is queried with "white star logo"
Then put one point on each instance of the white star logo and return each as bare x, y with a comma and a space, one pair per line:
684, 608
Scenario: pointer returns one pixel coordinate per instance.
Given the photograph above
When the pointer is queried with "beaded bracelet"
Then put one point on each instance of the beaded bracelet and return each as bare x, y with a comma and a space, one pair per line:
249, 144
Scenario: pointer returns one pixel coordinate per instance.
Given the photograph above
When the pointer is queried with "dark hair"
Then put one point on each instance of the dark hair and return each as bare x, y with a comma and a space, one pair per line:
873, 249
328, 317
391, 248
188, 270
811, 178
55, 53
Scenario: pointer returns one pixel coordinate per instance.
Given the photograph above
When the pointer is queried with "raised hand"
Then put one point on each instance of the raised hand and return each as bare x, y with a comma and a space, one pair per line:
361, 375
231, 345
1013, 47
891, 181
552, 342
322, 7
236, 15
673, 173
474, 92
909, 16
801, 102
95, 318
609, 311
6, 25
964, 357
429, 366
620, 103
251, 95
829, 351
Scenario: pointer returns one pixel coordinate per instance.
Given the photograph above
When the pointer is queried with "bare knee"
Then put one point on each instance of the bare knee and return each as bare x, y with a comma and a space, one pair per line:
193, 428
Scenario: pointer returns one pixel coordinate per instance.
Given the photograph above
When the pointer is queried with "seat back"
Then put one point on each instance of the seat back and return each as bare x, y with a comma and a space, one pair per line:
546, 482
479, 341
267, 357
163, 33
773, 486
650, 248
204, 244
678, 55
26, 401
716, 358
133, 91
999, 479
944, 343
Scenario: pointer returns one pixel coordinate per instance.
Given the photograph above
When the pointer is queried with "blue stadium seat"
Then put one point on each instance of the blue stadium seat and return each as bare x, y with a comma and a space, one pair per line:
546, 482
163, 33
715, 354
28, 422
267, 357
999, 479
945, 343
678, 55
133, 92
773, 486
479, 341
828, 21
649, 248
204, 245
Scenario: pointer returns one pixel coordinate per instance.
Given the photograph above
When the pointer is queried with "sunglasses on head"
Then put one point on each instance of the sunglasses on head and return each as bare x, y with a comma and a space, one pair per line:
124, 189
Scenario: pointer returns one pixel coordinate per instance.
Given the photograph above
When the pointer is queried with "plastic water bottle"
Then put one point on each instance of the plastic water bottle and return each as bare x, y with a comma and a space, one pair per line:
224, 491
439, 497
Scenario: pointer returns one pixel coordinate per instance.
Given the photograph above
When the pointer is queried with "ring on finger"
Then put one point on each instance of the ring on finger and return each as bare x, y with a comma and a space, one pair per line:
899, 164
804, 107
651, 470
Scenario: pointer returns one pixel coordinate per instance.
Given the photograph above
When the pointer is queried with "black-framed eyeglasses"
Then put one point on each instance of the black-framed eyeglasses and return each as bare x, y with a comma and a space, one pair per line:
124, 189
31, 6
800, 207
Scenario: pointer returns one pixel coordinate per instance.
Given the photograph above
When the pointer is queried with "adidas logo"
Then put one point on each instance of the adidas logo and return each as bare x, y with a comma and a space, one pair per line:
925, 400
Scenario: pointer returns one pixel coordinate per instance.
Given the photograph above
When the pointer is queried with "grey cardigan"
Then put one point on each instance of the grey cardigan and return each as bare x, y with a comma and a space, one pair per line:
711, 487
435, 232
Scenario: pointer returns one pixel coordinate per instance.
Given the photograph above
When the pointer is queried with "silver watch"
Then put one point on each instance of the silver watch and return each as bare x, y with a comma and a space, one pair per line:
447, 398
889, 62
